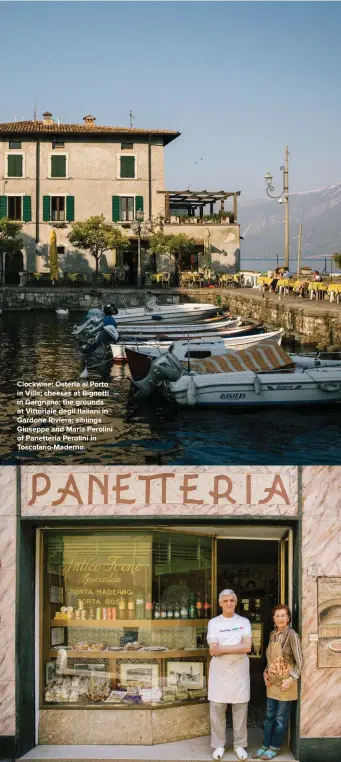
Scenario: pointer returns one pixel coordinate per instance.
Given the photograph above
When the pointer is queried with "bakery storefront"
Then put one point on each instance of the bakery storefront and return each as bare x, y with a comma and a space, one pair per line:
113, 597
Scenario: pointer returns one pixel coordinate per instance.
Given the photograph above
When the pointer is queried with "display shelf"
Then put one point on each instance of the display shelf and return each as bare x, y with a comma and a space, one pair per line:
129, 655
108, 624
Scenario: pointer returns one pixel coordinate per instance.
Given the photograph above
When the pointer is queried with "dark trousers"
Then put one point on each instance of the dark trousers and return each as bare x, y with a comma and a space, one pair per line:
276, 723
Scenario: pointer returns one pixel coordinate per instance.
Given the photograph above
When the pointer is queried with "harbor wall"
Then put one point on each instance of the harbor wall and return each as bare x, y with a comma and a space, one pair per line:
308, 322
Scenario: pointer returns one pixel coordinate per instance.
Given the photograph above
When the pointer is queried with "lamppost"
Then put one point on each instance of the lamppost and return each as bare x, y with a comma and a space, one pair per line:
137, 227
284, 196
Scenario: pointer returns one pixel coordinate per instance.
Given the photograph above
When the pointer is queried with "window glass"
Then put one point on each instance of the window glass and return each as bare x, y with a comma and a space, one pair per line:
58, 166
15, 165
15, 144
127, 164
124, 618
58, 208
126, 208
126, 144
58, 143
14, 207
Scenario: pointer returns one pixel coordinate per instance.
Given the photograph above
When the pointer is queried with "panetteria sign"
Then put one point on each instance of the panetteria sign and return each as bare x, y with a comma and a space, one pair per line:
158, 486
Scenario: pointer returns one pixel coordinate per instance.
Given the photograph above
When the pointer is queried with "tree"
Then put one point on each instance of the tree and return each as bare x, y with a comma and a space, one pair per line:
10, 242
177, 247
96, 236
337, 259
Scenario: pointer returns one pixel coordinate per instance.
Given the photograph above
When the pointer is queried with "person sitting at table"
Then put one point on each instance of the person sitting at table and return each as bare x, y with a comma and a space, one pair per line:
273, 284
287, 273
317, 277
301, 289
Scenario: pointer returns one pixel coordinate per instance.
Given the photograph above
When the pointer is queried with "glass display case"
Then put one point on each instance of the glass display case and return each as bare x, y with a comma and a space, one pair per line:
123, 618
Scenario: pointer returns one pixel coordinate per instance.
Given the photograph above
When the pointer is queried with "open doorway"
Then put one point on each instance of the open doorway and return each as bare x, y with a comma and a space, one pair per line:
259, 570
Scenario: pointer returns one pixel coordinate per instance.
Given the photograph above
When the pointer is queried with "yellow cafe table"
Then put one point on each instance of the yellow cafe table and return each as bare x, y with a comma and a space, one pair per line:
317, 289
156, 277
334, 292
284, 284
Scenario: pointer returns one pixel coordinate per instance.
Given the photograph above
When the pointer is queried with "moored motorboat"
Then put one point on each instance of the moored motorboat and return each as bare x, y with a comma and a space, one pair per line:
170, 313
261, 375
140, 356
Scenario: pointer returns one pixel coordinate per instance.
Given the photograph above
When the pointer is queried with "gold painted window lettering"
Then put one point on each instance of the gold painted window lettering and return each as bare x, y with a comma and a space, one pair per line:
121, 611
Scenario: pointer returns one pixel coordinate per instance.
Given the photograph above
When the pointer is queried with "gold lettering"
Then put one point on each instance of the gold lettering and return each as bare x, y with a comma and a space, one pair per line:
69, 489
186, 488
227, 494
149, 479
277, 488
39, 492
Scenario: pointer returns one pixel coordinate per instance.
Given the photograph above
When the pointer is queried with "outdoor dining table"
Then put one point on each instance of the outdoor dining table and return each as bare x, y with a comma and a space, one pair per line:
264, 280
334, 291
284, 284
156, 277
318, 288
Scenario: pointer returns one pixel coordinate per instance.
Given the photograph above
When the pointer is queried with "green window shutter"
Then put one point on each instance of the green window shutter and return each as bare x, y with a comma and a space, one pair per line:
3, 206
116, 211
127, 166
46, 208
139, 204
70, 208
27, 209
58, 166
14, 166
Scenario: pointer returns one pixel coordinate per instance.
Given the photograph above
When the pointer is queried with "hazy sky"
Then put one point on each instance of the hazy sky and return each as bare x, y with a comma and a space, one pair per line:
239, 80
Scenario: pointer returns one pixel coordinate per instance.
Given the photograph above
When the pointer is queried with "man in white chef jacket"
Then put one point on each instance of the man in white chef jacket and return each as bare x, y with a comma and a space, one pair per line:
229, 638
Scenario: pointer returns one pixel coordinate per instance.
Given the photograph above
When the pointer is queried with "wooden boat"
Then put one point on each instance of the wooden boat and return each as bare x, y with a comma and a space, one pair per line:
170, 313
140, 356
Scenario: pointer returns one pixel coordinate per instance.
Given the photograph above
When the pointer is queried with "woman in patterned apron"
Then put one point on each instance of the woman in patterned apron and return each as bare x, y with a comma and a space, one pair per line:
284, 664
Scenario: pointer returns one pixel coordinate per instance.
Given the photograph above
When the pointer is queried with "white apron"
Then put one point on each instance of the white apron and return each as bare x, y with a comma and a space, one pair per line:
229, 679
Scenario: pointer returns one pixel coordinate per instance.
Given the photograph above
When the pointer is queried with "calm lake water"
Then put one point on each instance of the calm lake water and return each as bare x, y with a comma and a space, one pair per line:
39, 346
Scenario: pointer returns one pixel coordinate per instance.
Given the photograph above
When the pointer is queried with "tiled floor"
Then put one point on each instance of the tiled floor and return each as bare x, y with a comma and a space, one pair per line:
194, 750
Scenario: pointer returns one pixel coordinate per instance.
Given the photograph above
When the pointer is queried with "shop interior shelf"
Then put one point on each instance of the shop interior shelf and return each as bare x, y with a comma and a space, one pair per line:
129, 655
120, 623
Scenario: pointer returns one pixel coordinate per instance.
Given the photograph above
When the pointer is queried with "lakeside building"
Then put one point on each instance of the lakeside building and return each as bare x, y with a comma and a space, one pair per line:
96, 559
53, 174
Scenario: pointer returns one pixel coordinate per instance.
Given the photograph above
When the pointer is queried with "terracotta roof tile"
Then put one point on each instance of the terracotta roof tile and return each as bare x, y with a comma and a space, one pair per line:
34, 128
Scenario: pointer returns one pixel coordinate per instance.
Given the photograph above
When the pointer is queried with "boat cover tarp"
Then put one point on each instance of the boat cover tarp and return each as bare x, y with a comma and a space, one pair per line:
266, 356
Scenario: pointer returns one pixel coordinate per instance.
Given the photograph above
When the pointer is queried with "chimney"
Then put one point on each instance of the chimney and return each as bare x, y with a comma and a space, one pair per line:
89, 120
47, 118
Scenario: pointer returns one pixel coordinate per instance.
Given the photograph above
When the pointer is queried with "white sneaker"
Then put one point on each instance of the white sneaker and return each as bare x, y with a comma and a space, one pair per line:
240, 752
218, 753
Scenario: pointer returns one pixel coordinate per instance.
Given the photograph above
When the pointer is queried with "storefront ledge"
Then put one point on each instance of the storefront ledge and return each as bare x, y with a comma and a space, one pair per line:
7, 747
317, 749
194, 750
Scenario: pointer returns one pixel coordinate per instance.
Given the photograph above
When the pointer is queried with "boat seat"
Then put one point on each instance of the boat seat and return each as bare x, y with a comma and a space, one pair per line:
266, 357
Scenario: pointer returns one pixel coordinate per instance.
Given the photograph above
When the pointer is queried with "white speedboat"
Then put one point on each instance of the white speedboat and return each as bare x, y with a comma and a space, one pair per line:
298, 387
179, 329
261, 375
195, 348
166, 313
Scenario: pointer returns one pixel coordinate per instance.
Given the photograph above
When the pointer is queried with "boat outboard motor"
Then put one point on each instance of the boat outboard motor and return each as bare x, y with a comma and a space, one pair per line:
166, 367
93, 316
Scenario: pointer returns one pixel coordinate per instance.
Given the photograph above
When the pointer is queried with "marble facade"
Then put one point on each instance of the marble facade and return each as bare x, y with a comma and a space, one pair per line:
311, 496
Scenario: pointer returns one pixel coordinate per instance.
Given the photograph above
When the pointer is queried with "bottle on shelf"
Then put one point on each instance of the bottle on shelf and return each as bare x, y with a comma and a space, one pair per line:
207, 608
121, 608
198, 606
149, 607
139, 605
170, 611
157, 612
131, 607
177, 611
184, 610
163, 612
192, 611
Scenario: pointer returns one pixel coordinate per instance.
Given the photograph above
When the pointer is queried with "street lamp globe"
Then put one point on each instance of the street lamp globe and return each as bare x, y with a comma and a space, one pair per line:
139, 215
268, 178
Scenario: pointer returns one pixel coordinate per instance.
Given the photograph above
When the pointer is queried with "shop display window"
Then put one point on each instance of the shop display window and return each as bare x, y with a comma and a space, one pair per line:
124, 618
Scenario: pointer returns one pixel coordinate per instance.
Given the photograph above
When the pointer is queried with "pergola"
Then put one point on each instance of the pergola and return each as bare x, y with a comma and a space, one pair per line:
194, 200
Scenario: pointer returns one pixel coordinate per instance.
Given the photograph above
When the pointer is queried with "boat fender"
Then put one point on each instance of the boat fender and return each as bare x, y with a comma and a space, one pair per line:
191, 390
157, 317
329, 386
257, 385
